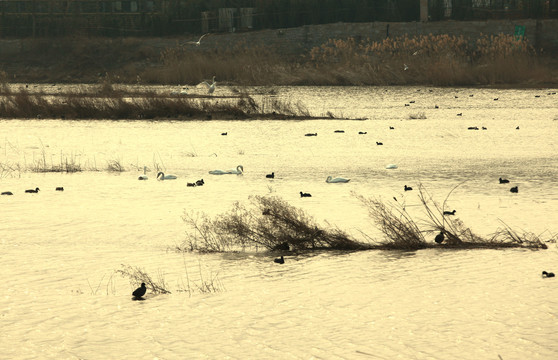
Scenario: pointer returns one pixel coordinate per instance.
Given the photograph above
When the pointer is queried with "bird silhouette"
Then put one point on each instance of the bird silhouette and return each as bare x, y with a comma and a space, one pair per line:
408, 188
270, 176
504, 181
36, 190
7, 193
547, 274
305, 194
280, 260
139, 292
514, 189
449, 212
59, 188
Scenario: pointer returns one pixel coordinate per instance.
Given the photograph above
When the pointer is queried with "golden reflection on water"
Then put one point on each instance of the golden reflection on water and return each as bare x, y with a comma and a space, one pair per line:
60, 249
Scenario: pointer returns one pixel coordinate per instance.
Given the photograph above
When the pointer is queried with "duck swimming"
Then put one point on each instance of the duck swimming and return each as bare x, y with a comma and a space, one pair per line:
139, 292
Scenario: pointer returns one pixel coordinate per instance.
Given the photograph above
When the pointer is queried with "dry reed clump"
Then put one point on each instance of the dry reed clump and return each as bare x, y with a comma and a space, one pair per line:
269, 223
400, 230
273, 224
66, 164
142, 105
418, 116
138, 276
205, 284
431, 59
456, 234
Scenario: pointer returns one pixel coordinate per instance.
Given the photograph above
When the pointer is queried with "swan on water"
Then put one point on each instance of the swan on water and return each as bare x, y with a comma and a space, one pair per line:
198, 43
210, 87
143, 177
161, 176
337, 180
239, 170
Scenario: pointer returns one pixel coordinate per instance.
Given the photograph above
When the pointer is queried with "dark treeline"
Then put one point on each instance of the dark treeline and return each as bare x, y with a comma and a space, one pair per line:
23, 18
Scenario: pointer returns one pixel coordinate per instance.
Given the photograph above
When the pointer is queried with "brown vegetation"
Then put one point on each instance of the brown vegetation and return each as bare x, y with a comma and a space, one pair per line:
272, 224
108, 103
440, 60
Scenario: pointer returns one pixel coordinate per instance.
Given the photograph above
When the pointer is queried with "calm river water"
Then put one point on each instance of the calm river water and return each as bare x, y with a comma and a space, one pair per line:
62, 298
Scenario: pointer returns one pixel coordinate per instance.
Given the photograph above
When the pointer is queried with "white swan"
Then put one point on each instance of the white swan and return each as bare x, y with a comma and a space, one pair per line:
198, 43
161, 176
337, 180
239, 170
210, 87
143, 177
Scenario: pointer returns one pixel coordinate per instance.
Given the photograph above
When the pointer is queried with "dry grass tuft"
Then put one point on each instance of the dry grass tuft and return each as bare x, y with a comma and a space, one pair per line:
138, 276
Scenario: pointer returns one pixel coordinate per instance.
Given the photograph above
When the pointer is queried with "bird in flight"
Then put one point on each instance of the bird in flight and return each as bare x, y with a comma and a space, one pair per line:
198, 43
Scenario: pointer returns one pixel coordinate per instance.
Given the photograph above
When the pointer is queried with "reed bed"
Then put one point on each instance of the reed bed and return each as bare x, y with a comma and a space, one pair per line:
135, 104
270, 223
443, 60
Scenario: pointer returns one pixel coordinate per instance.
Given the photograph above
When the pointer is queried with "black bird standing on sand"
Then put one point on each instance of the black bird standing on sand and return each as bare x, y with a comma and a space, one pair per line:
139, 292
280, 260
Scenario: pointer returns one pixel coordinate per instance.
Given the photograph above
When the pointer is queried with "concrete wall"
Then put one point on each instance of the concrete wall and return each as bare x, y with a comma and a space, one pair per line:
301, 39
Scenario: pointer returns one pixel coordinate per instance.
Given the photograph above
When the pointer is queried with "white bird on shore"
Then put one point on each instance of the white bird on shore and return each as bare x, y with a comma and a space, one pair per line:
161, 176
198, 43
182, 91
337, 180
210, 87
239, 170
